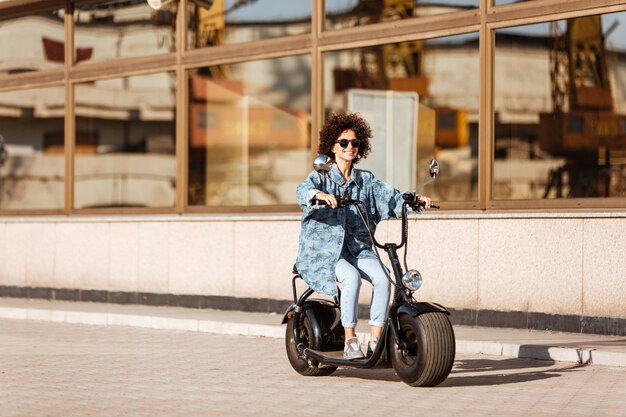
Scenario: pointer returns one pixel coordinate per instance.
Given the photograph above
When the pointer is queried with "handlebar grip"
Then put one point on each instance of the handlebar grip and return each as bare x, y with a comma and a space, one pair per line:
419, 205
319, 202
340, 202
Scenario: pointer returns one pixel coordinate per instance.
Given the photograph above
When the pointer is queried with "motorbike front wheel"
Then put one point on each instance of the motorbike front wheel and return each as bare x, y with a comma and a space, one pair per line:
299, 364
430, 348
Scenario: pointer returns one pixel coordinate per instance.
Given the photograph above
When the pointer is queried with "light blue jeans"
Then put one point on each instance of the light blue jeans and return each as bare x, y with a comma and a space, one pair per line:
349, 271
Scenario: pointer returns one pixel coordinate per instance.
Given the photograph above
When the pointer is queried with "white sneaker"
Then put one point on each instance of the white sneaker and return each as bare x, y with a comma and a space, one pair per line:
352, 349
371, 347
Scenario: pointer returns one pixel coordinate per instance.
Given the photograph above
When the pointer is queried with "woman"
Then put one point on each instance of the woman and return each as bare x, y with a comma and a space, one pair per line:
334, 244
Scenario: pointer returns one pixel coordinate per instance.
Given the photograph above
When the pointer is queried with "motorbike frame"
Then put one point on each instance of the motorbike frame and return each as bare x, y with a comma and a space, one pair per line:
402, 303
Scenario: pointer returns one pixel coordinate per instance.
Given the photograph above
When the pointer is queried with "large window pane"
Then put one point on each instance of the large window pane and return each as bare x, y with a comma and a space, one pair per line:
32, 43
421, 99
32, 162
124, 29
125, 142
221, 22
249, 141
560, 109
349, 13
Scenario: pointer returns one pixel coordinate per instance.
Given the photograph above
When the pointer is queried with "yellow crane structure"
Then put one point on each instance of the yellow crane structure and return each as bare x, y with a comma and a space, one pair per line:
583, 126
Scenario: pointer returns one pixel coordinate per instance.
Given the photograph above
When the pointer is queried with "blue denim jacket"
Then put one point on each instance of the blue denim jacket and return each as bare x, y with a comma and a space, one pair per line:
325, 229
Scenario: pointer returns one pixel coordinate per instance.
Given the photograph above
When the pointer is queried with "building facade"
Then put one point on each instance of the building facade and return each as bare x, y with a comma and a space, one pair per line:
150, 150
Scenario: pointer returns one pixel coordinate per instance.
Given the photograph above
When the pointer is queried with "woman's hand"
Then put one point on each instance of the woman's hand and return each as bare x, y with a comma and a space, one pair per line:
425, 200
327, 198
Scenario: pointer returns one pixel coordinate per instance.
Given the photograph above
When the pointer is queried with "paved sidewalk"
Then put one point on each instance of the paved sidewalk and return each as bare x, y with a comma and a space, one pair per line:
74, 370
513, 343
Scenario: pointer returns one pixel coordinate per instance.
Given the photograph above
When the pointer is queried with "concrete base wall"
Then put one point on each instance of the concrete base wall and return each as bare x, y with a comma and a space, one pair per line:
562, 264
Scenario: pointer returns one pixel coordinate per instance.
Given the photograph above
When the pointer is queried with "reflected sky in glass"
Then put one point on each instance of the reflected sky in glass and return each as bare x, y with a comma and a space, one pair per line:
266, 10
453, 40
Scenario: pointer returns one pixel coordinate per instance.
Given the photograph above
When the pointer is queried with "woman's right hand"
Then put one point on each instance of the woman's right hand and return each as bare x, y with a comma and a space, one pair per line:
327, 198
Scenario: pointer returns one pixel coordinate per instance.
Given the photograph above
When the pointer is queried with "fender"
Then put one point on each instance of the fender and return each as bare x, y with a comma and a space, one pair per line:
323, 316
316, 339
289, 310
415, 309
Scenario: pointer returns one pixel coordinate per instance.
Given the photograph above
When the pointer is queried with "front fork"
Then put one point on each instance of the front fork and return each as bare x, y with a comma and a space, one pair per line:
394, 327
400, 294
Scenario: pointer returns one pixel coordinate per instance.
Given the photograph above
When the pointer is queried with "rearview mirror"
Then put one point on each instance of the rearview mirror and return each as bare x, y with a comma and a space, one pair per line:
322, 163
433, 168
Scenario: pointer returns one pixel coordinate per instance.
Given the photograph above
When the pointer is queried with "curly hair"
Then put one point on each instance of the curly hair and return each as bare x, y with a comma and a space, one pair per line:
336, 124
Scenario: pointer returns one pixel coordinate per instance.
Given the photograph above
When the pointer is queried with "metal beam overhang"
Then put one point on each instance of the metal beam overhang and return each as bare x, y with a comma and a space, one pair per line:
13, 8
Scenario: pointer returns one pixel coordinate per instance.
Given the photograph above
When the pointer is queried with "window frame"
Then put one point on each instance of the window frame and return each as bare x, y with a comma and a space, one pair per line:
485, 20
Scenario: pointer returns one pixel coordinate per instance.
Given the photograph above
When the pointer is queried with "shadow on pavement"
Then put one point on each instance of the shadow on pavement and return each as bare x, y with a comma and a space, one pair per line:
487, 365
484, 372
386, 374
476, 372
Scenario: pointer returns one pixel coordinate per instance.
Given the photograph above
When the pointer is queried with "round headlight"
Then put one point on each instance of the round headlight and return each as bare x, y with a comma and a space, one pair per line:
412, 280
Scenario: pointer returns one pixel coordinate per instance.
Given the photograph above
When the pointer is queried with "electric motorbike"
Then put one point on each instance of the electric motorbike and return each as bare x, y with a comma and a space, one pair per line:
417, 340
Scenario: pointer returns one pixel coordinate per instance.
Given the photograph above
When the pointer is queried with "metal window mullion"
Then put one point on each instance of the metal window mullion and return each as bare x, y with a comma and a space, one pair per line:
182, 111
317, 73
123, 68
10, 11
69, 122
32, 79
247, 51
485, 113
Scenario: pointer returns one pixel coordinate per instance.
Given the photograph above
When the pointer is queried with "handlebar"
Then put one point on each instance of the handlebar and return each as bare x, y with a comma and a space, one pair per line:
341, 201
410, 199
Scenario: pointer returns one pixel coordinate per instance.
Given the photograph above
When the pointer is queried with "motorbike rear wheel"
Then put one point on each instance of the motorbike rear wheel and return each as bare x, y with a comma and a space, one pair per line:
299, 364
430, 349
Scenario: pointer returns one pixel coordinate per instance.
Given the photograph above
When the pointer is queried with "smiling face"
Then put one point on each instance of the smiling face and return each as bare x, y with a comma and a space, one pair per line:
343, 126
349, 153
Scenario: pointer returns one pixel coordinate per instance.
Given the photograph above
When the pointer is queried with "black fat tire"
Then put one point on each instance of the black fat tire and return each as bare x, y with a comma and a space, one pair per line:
300, 365
429, 361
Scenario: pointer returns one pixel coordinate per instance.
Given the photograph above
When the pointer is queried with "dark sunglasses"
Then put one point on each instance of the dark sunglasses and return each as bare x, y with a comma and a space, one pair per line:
344, 142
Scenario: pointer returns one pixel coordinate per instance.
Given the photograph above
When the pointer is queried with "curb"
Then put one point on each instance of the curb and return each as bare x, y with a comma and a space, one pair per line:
583, 356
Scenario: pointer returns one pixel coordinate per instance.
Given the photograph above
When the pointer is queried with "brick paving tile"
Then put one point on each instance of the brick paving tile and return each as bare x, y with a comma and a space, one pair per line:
55, 369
